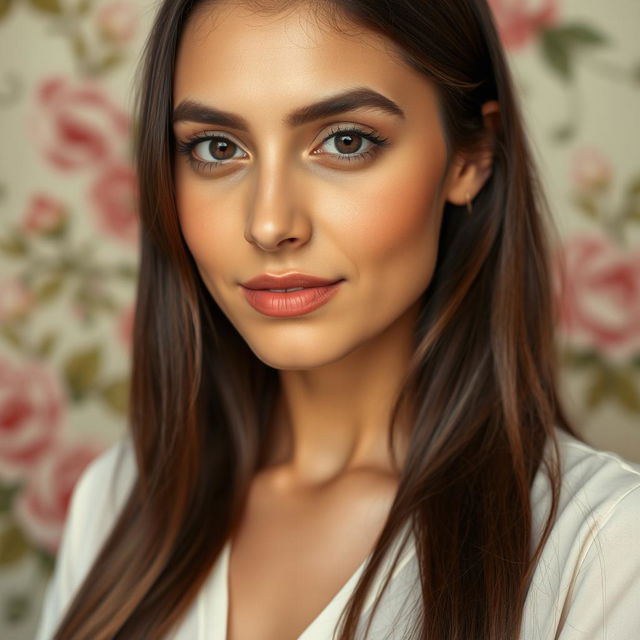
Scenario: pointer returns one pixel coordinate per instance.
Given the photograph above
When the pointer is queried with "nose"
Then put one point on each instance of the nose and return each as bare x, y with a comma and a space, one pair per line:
275, 216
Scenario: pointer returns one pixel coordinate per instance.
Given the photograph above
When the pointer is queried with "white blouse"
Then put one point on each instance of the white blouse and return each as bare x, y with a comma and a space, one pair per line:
586, 585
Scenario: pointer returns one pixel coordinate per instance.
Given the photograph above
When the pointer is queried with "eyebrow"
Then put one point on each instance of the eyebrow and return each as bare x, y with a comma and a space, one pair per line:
360, 98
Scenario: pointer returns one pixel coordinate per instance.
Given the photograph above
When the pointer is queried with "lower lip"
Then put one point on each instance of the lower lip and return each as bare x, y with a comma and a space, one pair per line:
293, 303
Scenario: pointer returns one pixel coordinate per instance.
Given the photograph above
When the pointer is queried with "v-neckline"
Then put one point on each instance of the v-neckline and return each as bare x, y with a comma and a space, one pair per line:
323, 624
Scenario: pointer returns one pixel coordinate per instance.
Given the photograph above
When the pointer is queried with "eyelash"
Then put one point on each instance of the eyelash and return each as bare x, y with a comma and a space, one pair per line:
186, 147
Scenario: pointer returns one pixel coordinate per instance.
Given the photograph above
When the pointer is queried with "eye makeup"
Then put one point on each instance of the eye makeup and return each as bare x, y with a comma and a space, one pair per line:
373, 145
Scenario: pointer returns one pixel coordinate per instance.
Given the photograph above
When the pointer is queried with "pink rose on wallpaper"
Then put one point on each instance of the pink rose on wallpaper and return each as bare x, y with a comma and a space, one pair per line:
76, 125
117, 21
31, 405
15, 300
600, 299
44, 214
115, 198
591, 170
519, 21
43, 505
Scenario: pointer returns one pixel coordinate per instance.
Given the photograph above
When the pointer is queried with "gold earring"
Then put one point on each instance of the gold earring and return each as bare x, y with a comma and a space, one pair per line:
468, 196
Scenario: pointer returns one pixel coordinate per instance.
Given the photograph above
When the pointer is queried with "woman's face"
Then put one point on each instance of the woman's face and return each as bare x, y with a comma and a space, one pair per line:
274, 185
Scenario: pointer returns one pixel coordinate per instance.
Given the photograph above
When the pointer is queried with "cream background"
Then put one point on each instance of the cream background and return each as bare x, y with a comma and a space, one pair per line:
603, 106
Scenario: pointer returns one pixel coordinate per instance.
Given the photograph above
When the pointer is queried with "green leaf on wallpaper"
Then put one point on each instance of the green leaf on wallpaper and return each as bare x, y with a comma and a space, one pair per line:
116, 395
126, 271
580, 359
581, 34
79, 46
587, 204
632, 201
104, 302
11, 335
599, 388
81, 371
556, 53
46, 344
7, 494
45, 560
83, 7
48, 6
110, 61
49, 288
13, 545
620, 385
5, 5
17, 607
634, 186
564, 132
626, 391
559, 45
632, 211
14, 245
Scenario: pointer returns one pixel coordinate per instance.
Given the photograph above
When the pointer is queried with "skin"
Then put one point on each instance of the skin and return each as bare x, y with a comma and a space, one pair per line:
284, 202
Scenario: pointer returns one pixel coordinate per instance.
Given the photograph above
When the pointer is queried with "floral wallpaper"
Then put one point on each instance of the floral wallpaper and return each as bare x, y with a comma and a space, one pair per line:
68, 240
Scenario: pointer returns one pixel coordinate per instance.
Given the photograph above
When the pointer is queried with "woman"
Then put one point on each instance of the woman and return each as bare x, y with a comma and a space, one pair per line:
344, 407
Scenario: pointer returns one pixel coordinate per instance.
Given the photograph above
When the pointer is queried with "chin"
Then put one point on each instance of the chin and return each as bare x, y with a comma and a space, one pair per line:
292, 361
298, 356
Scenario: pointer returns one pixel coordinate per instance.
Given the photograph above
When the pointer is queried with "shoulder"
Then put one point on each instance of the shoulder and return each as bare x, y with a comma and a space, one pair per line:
96, 501
99, 496
108, 478
601, 472
598, 488
590, 564
593, 481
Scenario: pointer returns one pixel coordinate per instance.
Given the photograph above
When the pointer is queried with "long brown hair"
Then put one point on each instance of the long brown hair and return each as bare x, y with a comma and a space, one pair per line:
482, 383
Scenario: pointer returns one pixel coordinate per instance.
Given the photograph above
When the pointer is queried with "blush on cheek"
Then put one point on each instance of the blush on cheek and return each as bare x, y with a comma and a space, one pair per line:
205, 227
400, 213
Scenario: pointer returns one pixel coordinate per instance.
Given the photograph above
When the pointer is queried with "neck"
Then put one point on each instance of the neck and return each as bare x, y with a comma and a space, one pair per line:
333, 420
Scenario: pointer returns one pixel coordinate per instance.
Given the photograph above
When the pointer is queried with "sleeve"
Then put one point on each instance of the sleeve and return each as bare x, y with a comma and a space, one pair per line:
605, 600
93, 509
61, 586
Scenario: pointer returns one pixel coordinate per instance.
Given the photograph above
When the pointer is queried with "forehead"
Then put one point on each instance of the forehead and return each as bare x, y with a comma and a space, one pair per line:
228, 51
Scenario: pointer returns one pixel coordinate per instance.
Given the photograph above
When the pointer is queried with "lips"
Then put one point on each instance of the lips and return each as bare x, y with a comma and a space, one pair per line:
288, 281
296, 294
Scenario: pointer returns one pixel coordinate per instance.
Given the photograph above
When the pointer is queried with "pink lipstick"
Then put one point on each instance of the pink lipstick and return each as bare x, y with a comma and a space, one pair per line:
290, 295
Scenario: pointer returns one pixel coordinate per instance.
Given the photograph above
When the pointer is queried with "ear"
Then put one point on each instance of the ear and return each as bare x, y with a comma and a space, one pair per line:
470, 171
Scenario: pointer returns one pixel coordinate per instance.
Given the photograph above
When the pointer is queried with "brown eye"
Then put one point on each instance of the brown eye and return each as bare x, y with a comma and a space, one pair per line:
348, 142
214, 150
222, 149
351, 144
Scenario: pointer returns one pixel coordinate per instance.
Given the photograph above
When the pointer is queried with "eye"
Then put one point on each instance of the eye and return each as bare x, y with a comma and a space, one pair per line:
206, 151
217, 148
348, 144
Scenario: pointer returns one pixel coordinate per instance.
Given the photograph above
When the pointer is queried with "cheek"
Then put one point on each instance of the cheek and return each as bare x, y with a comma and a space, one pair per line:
396, 215
207, 231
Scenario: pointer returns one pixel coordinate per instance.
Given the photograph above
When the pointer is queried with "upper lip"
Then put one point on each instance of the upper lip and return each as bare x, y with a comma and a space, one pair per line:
287, 281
